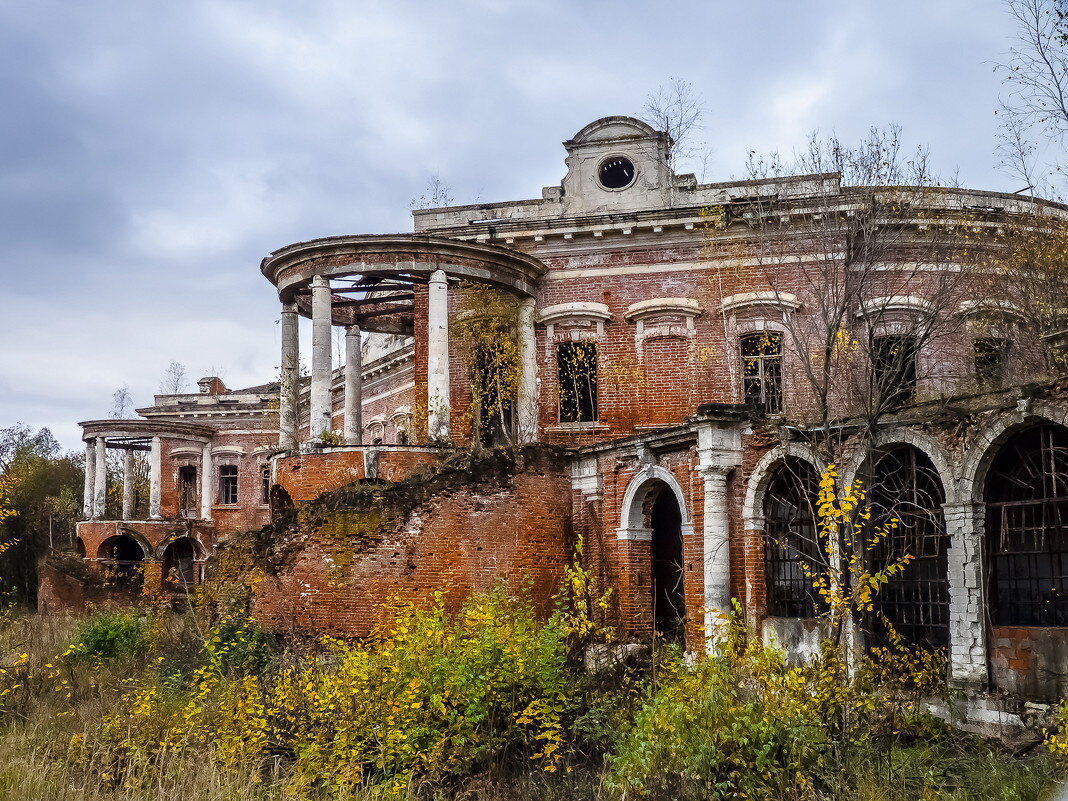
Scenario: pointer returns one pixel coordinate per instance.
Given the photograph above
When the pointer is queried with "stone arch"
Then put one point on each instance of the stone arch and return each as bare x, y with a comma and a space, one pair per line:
924, 443
762, 474
633, 524
654, 512
981, 453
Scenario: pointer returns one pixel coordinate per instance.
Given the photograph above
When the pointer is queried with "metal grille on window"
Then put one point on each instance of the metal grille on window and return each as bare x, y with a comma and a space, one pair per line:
576, 364
228, 484
792, 553
762, 371
893, 369
1027, 529
915, 602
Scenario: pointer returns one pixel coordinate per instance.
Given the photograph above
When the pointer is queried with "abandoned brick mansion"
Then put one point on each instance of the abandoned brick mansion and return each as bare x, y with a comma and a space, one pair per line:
671, 366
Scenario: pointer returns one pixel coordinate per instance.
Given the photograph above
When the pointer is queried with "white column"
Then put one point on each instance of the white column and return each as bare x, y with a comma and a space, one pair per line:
965, 525
527, 395
437, 349
353, 386
289, 389
717, 560
155, 476
322, 360
207, 482
127, 484
100, 478
90, 479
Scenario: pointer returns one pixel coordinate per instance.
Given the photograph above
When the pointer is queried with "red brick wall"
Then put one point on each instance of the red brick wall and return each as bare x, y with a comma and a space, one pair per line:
307, 476
458, 541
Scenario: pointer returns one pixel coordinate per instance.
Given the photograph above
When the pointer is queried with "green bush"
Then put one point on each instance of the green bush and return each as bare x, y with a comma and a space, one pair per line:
706, 733
110, 637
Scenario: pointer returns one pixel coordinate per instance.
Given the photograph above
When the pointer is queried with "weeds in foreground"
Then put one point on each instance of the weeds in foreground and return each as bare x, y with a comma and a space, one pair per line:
488, 703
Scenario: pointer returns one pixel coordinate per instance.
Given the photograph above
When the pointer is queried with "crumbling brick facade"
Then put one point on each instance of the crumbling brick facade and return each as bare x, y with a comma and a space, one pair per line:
699, 314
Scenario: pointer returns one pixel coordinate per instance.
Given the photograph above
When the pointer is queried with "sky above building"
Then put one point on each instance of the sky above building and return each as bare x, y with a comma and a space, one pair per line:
152, 153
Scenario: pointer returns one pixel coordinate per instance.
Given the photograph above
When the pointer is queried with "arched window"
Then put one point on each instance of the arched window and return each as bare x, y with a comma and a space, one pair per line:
792, 549
906, 488
1027, 529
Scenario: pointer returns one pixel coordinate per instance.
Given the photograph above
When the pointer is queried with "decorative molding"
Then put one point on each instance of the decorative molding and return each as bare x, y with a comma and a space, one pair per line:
784, 302
579, 311
894, 303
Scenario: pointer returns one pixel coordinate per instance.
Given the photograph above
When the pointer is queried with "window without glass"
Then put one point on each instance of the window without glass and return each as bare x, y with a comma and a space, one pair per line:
265, 484
991, 358
893, 369
187, 491
228, 484
1027, 529
576, 364
762, 371
792, 549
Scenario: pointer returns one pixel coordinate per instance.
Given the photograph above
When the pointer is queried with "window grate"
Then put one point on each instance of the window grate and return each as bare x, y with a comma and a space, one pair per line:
792, 548
762, 371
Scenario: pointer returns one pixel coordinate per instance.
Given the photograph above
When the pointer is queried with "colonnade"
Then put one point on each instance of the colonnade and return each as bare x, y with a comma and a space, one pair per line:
439, 406
96, 476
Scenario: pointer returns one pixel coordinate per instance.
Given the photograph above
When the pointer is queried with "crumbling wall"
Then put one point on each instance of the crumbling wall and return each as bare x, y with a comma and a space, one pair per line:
455, 530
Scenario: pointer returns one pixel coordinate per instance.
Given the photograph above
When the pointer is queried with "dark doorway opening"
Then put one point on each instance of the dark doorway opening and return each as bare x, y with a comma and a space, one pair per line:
180, 565
669, 600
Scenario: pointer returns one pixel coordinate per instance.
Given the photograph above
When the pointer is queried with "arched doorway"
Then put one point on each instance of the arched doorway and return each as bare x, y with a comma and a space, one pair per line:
907, 497
122, 557
180, 565
1026, 497
669, 597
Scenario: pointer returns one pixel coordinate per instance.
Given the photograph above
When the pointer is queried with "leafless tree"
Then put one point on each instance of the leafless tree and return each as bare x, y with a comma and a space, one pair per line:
175, 379
121, 403
437, 194
865, 256
1037, 64
675, 108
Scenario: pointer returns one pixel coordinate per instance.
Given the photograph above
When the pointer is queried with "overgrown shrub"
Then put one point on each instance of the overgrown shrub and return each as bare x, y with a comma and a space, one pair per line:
110, 636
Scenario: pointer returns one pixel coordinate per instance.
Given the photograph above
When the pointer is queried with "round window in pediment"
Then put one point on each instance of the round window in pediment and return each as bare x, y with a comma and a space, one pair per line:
616, 172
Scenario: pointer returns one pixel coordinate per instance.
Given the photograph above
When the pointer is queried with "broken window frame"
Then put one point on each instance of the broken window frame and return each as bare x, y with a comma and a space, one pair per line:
265, 484
991, 360
761, 353
1026, 494
576, 370
187, 491
894, 368
228, 485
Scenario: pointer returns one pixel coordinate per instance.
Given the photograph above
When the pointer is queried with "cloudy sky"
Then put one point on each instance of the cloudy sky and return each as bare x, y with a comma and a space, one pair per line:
151, 153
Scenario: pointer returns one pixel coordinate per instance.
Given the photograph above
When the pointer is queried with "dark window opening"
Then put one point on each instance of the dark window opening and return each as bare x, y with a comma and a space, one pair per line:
228, 484
265, 484
376, 441
991, 359
402, 437
762, 371
893, 366
906, 488
576, 364
187, 491
616, 173
669, 601
1027, 529
493, 395
793, 557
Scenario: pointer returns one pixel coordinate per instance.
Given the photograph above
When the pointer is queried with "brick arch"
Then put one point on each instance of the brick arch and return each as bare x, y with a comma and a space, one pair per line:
981, 453
199, 548
924, 443
136, 536
762, 474
632, 523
